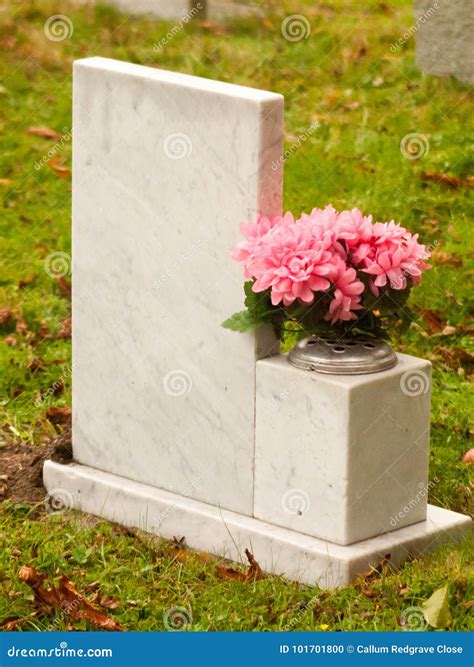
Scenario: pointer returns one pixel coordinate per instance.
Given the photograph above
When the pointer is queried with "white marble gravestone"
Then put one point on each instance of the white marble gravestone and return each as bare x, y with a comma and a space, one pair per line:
165, 168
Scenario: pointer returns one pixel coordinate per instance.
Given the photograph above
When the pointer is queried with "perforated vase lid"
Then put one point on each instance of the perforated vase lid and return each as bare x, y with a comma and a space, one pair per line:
342, 356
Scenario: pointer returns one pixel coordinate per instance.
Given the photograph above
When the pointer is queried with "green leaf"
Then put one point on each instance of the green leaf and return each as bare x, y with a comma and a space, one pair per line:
436, 609
259, 305
241, 322
259, 311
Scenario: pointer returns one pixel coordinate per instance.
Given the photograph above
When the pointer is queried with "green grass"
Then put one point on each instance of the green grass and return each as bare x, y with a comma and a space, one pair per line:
366, 98
149, 577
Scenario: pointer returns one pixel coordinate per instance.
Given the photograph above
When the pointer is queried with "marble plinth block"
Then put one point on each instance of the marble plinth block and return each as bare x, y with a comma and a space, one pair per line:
342, 457
165, 168
282, 551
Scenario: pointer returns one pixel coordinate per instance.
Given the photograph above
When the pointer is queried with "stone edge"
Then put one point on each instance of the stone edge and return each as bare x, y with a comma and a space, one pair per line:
280, 551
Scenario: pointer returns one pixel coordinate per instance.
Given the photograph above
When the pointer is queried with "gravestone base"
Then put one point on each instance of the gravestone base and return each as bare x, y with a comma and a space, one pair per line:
294, 555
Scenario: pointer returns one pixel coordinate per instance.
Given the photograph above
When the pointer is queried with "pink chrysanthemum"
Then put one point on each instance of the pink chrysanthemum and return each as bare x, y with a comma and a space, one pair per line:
327, 252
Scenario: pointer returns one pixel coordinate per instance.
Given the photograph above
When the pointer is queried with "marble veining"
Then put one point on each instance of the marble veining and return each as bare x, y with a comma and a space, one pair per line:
342, 458
279, 550
165, 167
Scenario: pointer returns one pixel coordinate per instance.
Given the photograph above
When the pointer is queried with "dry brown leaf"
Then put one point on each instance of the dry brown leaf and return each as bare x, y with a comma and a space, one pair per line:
43, 596
109, 602
447, 258
64, 286
76, 606
66, 598
368, 592
57, 165
5, 314
380, 568
5, 181
66, 329
21, 325
36, 364
12, 622
11, 341
43, 331
448, 330
448, 179
229, 573
26, 281
433, 321
468, 457
59, 415
45, 132
253, 573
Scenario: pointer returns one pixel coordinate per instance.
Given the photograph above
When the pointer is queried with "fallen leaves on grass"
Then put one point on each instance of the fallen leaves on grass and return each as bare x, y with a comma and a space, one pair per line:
57, 165
26, 281
45, 132
65, 329
66, 599
36, 364
254, 572
12, 622
59, 415
437, 325
447, 258
21, 325
184, 555
107, 602
5, 314
436, 609
468, 457
433, 320
64, 286
11, 341
381, 568
448, 179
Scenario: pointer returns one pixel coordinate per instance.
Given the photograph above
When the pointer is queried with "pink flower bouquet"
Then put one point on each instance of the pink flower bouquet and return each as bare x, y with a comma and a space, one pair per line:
327, 271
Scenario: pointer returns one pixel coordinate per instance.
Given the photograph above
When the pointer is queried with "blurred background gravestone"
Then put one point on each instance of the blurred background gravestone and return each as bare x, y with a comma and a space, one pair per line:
444, 30
179, 9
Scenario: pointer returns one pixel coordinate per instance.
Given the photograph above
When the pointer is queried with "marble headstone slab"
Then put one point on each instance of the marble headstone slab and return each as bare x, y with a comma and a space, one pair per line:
165, 168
